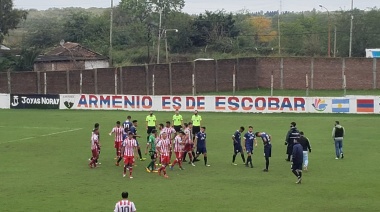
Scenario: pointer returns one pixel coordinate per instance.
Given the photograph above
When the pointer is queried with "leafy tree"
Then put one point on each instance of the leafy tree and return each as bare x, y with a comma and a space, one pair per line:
262, 29
9, 17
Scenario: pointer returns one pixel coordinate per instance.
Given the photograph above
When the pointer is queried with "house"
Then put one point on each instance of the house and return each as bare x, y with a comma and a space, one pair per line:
70, 56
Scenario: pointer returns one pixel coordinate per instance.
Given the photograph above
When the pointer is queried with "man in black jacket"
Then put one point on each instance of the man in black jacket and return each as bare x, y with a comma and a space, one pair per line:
338, 134
306, 149
292, 134
297, 156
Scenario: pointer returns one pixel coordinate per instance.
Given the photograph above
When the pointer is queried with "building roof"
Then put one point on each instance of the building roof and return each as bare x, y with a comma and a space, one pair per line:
70, 51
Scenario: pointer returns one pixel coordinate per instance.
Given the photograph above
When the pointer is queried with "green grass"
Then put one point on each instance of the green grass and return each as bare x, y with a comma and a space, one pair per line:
50, 172
322, 93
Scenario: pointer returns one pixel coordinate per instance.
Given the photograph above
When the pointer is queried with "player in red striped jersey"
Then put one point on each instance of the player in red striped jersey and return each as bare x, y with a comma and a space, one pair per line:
125, 205
128, 151
189, 143
118, 130
94, 148
163, 147
179, 141
170, 131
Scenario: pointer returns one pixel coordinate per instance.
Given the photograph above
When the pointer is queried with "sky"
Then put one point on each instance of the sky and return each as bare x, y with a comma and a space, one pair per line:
199, 6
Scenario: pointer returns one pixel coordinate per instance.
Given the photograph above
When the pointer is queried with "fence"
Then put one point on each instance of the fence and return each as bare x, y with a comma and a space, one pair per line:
201, 77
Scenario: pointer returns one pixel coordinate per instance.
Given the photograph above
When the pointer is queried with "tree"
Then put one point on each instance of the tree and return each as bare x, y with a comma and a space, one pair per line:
262, 29
9, 17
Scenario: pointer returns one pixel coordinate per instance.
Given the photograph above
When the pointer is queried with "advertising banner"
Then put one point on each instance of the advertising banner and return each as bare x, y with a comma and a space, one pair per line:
4, 101
34, 101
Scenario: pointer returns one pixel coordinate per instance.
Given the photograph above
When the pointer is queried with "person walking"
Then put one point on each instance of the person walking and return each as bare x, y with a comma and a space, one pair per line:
297, 159
292, 134
305, 143
338, 134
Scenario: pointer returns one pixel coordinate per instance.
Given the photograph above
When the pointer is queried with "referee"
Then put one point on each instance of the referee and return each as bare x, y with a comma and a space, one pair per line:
197, 122
177, 121
150, 124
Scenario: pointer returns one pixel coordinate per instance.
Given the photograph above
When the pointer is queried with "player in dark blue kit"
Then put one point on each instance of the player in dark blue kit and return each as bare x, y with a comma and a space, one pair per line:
126, 125
236, 141
297, 156
267, 147
133, 130
200, 144
249, 139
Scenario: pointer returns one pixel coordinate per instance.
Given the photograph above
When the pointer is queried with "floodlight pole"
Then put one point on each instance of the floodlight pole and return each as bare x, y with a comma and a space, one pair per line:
329, 31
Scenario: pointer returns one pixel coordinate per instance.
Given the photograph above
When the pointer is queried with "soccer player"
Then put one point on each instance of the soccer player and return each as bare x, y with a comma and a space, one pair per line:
151, 145
292, 134
94, 148
163, 147
125, 205
97, 126
267, 147
306, 149
177, 121
119, 131
133, 130
201, 145
196, 119
127, 124
189, 143
169, 132
297, 155
128, 147
338, 134
178, 149
236, 142
249, 140
150, 123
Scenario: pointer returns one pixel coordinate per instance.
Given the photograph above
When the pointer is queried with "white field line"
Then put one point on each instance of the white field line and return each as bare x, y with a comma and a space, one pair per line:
28, 138
28, 127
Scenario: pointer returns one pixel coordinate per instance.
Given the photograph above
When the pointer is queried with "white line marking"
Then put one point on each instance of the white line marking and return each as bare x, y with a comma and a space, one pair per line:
28, 138
27, 127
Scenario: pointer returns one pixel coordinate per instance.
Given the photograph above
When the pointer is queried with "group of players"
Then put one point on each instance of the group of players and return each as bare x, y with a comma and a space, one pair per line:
180, 138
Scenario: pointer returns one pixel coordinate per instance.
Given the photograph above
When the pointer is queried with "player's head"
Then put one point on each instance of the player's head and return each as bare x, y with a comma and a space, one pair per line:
241, 129
196, 112
185, 125
129, 117
134, 122
96, 131
154, 131
168, 124
250, 128
190, 124
96, 125
151, 112
258, 134
301, 133
124, 195
336, 123
176, 111
181, 133
164, 135
203, 129
161, 126
130, 135
118, 123
293, 124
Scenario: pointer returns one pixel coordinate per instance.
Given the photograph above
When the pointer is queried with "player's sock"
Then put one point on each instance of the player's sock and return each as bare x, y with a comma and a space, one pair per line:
125, 168
139, 151
184, 157
151, 165
193, 153
243, 158
295, 173
266, 163
233, 158
130, 170
195, 158
180, 164
300, 173
118, 161
205, 158
174, 162
164, 169
289, 157
248, 160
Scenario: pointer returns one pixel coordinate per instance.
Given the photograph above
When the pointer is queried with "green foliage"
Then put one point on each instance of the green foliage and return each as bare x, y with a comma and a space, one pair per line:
9, 17
50, 165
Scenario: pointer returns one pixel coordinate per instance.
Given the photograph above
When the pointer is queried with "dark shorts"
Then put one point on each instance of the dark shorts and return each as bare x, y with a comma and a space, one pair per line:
153, 155
149, 130
249, 150
238, 148
267, 152
196, 129
201, 150
177, 128
297, 166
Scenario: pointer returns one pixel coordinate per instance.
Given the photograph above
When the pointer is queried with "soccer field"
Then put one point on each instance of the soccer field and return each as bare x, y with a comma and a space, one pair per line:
44, 165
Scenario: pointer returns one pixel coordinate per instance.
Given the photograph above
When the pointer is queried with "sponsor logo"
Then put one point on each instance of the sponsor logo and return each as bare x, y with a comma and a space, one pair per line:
319, 105
68, 100
15, 101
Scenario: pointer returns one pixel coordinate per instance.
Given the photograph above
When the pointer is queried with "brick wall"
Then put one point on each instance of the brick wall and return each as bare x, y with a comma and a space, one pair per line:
210, 76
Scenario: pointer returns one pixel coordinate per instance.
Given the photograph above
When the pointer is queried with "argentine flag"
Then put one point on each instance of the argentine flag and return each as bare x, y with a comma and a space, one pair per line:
341, 105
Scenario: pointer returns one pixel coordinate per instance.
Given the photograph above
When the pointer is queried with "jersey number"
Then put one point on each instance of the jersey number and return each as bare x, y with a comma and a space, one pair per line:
125, 209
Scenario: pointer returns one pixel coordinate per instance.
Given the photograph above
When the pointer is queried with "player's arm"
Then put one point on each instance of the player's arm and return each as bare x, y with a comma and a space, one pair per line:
333, 132
287, 137
245, 141
147, 146
112, 131
146, 120
255, 141
308, 144
195, 141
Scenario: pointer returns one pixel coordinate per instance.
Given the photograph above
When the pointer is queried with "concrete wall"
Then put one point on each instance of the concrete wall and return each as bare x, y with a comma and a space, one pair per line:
209, 76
